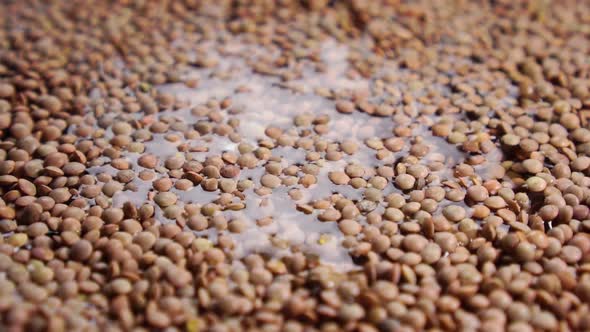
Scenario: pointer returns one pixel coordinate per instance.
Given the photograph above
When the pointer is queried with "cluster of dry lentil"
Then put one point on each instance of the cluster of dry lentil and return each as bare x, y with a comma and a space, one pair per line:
465, 206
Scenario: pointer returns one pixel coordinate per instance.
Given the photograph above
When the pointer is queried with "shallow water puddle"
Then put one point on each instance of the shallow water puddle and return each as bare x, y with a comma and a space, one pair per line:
259, 101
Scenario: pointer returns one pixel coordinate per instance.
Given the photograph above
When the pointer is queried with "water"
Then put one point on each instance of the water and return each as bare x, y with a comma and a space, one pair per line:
268, 101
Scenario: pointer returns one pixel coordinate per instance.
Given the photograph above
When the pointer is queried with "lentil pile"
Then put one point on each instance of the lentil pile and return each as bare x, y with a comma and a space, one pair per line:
260, 165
